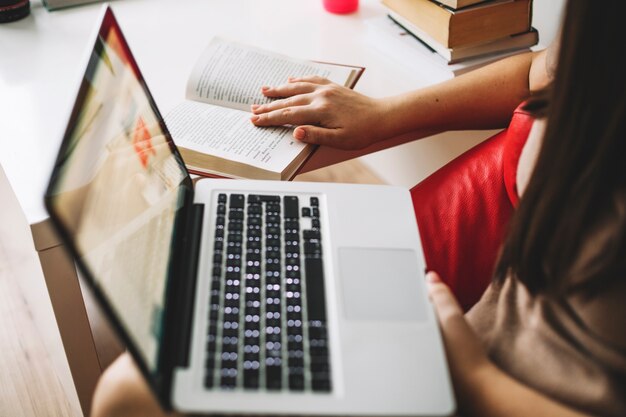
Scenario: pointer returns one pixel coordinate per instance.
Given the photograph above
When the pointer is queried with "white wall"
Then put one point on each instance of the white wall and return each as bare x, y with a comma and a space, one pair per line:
547, 16
408, 164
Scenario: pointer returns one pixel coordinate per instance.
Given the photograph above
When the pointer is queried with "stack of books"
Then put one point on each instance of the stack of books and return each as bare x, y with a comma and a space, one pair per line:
465, 30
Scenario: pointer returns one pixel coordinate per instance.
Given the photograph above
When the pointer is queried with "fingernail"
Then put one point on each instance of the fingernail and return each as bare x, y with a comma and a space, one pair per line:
432, 277
265, 88
255, 107
254, 119
290, 79
299, 134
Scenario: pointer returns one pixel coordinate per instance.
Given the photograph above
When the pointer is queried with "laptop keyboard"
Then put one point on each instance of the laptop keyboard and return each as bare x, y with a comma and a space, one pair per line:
267, 307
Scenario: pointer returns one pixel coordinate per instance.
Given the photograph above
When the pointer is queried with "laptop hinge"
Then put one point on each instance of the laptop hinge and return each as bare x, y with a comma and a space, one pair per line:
186, 294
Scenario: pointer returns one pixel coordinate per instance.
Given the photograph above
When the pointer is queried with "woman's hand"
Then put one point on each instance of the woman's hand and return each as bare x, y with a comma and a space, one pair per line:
123, 391
469, 365
482, 389
324, 113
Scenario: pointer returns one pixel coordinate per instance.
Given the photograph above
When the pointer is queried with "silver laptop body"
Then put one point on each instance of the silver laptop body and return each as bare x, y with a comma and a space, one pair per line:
239, 296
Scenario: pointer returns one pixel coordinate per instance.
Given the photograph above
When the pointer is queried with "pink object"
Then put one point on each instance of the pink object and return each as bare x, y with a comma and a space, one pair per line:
341, 6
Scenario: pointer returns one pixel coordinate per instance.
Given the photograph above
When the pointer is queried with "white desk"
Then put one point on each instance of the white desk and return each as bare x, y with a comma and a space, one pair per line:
40, 69
40, 63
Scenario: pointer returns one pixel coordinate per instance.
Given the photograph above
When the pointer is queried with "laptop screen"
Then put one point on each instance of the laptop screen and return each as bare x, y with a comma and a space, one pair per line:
117, 188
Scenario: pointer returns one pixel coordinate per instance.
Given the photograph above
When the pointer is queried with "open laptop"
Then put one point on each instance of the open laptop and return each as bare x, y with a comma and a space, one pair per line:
237, 296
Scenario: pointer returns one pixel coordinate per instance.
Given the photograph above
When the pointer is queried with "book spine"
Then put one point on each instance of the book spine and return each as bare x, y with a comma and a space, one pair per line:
475, 26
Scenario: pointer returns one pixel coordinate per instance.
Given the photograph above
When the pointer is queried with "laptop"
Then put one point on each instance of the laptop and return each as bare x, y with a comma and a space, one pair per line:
241, 296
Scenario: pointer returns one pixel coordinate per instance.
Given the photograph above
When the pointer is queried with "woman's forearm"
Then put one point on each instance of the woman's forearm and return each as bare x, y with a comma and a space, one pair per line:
329, 114
493, 393
481, 99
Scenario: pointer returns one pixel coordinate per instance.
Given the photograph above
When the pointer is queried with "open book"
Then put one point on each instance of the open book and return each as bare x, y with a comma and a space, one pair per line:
212, 127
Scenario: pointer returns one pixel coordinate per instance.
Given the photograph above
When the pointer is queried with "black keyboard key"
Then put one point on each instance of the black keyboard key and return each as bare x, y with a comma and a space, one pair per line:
315, 202
296, 339
272, 219
292, 226
274, 231
221, 198
312, 248
251, 376
320, 364
257, 198
254, 199
292, 262
272, 208
316, 299
234, 248
296, 382
311, 234
272, 243
292, 208
237, 201
235, 226
289, 237
321, 384
271, 199
296, 379
273, 375
208, 379
306, 212
315, 212
228, 382
254, 244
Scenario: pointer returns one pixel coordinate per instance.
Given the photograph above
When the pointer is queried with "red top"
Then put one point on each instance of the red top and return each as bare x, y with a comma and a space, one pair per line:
516, 136
463, 209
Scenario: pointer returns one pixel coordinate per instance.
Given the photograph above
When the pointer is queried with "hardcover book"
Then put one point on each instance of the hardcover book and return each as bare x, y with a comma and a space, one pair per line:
471, 25
212, 127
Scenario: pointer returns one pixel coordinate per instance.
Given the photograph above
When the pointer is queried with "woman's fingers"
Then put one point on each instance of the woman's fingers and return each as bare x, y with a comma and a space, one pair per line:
289, 89
315, 79
463, 347
299, 100
297, 115
455, 328
444, 301
319, 135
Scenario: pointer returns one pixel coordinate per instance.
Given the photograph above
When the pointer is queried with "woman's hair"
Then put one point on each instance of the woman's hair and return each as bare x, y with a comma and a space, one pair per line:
579, 179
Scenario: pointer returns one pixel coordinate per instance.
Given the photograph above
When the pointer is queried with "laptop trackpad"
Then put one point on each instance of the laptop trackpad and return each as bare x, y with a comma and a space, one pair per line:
381, 284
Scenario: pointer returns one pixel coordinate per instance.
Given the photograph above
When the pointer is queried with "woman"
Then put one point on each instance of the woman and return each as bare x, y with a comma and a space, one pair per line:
547, 338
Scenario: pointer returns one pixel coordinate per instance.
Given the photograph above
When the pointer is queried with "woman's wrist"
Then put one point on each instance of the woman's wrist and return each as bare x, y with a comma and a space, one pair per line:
381, 122
480, 391
393, 118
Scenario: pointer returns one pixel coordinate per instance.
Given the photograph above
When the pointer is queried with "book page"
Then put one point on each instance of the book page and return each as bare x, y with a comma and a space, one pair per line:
229, 134
230, 74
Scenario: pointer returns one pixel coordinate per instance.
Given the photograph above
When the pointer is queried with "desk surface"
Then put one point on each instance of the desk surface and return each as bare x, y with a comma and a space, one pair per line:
42, 57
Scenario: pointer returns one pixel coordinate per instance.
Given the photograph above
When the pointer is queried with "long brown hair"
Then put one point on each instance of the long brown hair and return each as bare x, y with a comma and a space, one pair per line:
580, 174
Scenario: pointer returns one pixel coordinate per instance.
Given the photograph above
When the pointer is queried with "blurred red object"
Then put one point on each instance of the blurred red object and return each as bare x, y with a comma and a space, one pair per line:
341, 6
